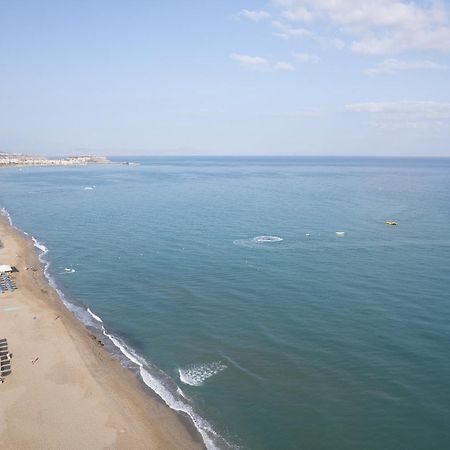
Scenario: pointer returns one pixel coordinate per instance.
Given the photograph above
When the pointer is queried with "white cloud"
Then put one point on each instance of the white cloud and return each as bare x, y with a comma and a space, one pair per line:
287, 32
252, 62
339, 44
283, 66
297, 13
306, 58
377, 26
404, 114
389, 66
401, 41
260, 63
255, 16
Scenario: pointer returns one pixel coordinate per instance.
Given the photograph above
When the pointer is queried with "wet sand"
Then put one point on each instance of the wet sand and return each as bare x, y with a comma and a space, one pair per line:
75, 395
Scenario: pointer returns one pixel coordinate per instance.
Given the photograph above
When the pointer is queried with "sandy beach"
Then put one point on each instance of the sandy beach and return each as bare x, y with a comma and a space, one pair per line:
75, 395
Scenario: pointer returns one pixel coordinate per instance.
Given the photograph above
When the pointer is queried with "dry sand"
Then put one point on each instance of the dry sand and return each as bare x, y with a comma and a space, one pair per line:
76, 396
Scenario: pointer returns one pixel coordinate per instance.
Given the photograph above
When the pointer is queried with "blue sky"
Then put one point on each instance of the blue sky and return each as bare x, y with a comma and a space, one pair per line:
279, 77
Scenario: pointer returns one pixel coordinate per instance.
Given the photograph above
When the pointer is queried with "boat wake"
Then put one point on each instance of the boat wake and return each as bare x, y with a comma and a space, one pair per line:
264, 239
257, 240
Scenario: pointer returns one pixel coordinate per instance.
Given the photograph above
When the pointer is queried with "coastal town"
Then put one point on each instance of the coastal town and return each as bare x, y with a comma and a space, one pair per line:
18, 159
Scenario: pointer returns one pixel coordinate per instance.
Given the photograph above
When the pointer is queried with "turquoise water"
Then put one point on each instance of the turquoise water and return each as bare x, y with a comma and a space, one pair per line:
310, 342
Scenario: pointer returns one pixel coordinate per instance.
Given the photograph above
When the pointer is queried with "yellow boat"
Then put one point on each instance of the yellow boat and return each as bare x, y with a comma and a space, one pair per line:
390, 222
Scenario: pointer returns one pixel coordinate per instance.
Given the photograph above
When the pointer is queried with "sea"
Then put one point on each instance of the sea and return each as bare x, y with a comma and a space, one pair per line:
264, 297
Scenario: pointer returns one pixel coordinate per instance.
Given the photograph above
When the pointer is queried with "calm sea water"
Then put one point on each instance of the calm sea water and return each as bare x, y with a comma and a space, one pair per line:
309, 342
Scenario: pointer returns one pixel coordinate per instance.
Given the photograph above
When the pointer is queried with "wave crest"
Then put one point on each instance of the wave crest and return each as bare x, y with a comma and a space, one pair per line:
94, 316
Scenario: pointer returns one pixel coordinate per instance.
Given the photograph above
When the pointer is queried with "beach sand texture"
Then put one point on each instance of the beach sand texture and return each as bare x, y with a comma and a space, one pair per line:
75, 396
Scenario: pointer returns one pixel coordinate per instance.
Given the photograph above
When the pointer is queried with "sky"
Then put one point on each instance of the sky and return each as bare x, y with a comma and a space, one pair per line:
235, 77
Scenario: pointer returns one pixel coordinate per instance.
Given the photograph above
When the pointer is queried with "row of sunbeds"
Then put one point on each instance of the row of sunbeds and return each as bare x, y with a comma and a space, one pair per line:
6, 283
5, 359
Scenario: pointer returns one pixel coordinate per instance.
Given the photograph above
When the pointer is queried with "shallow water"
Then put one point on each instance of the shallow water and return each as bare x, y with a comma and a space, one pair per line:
225, 279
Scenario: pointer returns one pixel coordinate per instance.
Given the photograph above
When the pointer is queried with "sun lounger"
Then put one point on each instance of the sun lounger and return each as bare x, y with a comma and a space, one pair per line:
7, 282
5, 359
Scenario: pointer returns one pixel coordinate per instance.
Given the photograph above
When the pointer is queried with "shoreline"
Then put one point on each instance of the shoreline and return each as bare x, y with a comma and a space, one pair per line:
77, 394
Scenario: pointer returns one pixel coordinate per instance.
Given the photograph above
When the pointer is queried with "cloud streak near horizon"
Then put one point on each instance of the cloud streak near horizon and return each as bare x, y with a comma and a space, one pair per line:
403, 114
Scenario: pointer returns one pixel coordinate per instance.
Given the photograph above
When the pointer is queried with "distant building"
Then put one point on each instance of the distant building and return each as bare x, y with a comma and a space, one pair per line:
17, 159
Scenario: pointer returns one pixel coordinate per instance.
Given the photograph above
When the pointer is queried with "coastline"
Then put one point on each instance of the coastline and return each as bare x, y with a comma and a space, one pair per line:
76, 395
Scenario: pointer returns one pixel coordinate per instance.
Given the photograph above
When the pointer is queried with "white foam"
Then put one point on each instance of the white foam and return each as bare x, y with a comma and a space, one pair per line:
181, 392
197, 374
79, 312
257, 240
264, 239
167, 395
5, 213
40, 246
94, 316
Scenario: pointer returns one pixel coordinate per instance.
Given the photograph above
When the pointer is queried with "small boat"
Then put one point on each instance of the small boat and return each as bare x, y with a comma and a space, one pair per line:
67, 269
340, 233
391, 222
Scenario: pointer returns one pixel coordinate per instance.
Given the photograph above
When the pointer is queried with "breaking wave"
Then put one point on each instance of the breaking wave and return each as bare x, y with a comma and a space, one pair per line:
5, 213
157, 380
168, 391
197, 374
40, 246
94, 316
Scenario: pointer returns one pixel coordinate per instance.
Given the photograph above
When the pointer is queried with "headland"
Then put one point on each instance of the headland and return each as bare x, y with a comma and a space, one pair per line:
20, 160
